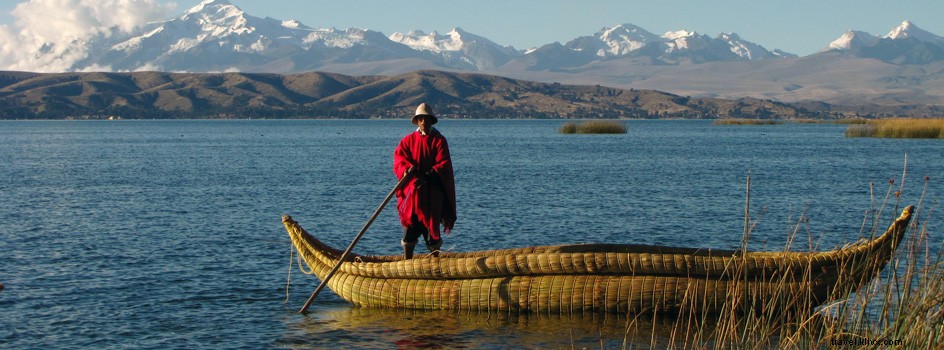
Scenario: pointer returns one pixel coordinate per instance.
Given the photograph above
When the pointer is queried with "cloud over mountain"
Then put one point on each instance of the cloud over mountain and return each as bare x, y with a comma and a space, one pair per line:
52, 35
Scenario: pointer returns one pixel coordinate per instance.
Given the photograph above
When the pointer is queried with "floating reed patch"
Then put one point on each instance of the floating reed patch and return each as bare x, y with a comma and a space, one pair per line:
911, 128
593, 127
860, 130
747, 122
808, 121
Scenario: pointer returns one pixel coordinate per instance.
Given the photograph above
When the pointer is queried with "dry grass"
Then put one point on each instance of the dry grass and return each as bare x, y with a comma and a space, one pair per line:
808, 121
747, 122
901, 309
899, 128
593, 127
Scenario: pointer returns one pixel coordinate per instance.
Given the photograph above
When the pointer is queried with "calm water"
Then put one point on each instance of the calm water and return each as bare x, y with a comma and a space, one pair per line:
167, 234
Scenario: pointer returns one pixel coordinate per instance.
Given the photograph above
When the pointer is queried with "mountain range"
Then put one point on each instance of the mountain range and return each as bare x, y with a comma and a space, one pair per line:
241, 42
902, 68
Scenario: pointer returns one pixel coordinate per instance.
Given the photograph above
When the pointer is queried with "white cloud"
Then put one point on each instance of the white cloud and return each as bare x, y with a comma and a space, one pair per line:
148, 67
51, 35
96, 68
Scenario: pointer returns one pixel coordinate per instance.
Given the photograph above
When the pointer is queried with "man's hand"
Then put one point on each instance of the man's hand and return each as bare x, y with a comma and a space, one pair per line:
420, 181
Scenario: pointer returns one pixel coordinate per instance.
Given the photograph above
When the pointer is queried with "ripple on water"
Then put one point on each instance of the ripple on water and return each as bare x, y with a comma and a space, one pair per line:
166, 234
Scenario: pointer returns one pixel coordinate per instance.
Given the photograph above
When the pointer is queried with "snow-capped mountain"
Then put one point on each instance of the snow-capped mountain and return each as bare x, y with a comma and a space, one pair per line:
630, 40
904, 44
459, 48
908, 30
616, 41
749, 50
725, 46
852, 39
216, 35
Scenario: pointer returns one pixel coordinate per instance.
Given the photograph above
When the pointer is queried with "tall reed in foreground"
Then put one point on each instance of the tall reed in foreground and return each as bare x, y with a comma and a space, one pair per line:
902, 308
593, 127
899, 128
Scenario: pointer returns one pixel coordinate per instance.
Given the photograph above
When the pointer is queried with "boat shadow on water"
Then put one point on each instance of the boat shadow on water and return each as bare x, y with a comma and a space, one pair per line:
342, 326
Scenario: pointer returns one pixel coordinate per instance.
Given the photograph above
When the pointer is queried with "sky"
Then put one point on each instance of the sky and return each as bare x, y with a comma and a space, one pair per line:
801, 27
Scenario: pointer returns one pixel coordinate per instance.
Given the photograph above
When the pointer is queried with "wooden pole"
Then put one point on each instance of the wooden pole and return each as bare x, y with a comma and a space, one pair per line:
350, 247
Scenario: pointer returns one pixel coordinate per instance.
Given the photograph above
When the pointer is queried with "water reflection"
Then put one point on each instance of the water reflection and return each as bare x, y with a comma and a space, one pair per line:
352, 327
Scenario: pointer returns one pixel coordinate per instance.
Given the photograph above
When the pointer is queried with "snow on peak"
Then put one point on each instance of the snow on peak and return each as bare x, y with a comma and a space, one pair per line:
346, 38
455, 40
908, 30
682, 40
219, 17
294, 24
852, 39
624, 38
903, 30
678, 34
742, 48
782, 54
627, 38
207, 3
419, 40
627, 31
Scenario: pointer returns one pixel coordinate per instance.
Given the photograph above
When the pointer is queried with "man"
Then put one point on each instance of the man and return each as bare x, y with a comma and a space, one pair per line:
428, 199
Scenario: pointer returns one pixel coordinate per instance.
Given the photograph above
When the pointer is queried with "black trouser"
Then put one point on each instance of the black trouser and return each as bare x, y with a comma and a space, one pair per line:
411, 235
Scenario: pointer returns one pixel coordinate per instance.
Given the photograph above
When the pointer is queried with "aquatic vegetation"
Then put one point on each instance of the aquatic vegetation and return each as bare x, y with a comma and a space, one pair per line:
902, 308
593, 127
747, 122
899, 128
809, 121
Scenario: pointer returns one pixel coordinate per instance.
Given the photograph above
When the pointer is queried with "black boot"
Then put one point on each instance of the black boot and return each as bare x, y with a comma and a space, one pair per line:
434, 247
408, 249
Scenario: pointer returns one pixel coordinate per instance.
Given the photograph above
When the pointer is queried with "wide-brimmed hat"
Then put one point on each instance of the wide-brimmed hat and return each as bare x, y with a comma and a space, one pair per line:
425, 110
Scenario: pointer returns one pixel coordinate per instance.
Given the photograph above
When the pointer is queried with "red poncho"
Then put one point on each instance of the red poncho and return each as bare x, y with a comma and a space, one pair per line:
430, 204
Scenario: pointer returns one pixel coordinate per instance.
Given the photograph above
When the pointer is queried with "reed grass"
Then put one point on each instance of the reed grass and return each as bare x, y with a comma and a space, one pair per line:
593, 127
903, 308
808, 121
899, 128
747, 122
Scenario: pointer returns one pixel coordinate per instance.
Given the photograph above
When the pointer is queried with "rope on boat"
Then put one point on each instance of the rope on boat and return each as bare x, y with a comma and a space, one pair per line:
292, 257
288, 279
301, 266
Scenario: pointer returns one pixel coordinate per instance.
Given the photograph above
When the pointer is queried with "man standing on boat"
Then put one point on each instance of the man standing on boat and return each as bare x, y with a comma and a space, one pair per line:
429, 198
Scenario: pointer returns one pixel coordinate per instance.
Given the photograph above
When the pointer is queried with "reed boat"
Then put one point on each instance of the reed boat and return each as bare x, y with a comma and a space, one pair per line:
614, 278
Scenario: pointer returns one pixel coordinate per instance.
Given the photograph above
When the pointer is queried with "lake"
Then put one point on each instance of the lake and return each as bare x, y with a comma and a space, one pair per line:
167, 234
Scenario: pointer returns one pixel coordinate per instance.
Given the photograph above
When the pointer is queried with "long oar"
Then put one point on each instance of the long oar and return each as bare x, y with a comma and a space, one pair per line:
324, 281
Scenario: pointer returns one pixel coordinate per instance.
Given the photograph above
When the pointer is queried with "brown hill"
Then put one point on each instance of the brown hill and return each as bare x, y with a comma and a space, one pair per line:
328, 95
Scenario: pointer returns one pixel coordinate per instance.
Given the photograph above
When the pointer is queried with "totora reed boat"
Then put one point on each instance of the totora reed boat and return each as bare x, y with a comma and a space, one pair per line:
601, 277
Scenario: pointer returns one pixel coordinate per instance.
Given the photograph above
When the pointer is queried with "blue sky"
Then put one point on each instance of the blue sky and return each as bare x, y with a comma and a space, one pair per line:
801, 27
